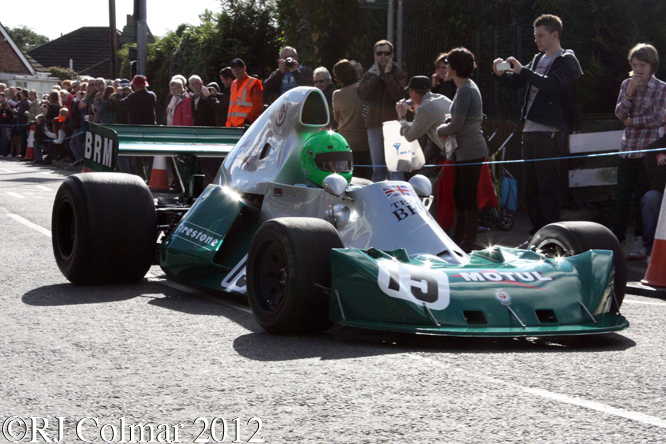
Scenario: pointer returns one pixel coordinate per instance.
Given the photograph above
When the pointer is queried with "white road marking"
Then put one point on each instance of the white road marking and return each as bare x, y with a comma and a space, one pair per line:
42, 187
6, 171
629, 301
16, 195
592, 405
29, 224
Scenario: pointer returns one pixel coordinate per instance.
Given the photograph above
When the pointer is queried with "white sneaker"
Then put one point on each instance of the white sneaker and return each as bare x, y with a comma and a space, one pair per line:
636, 249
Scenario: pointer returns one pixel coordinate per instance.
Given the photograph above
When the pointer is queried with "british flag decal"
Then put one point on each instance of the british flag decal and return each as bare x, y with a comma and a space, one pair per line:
397, 190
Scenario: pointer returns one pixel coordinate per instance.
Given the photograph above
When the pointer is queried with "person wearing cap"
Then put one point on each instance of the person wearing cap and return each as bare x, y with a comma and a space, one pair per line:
215, 97
289, 74
430, 110
202, 103
140, 104
381, 87
247, 97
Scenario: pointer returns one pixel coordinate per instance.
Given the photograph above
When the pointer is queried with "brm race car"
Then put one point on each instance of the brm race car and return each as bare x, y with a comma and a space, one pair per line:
285, 224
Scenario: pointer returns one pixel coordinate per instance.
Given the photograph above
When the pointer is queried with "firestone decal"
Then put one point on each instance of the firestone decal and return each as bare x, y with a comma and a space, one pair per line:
414, 284
197, 235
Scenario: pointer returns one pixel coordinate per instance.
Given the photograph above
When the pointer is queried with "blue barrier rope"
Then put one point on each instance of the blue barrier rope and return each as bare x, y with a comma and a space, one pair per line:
497, 162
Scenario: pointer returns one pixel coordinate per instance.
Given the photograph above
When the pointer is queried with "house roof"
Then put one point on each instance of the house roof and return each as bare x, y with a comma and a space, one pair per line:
24, 66
87, 47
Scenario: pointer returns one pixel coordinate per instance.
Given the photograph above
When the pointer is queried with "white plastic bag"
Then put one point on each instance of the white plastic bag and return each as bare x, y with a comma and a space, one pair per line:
401, 155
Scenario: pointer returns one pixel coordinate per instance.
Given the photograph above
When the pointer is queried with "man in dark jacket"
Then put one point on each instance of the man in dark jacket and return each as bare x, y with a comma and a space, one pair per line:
289, 75
140, 106
550, 80
381, 87
203, 106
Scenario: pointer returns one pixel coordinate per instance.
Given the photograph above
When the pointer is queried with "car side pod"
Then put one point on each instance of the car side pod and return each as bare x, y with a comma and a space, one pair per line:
500, 292
211, 240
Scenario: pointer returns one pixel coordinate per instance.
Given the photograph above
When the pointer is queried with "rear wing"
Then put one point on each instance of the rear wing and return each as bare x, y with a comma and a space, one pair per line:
104, 143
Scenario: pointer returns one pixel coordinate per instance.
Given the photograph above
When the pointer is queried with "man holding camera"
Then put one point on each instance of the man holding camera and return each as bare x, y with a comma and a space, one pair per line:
550, 81
289, 74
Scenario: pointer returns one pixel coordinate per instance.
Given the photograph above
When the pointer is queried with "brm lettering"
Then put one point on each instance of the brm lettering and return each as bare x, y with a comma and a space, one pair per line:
99, 149
504, 276
404, 210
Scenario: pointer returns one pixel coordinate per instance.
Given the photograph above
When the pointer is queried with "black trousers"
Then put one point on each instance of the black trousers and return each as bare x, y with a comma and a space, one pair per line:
541, 178
466, 184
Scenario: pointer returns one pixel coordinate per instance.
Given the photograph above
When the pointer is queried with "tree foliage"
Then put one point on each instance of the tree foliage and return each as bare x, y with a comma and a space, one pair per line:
63, 73
26, 39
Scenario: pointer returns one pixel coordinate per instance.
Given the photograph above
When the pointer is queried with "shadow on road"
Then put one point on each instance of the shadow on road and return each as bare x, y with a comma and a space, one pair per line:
345, 342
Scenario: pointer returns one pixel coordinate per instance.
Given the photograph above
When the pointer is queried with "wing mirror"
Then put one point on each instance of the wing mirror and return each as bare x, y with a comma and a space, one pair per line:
421, 185
335, 184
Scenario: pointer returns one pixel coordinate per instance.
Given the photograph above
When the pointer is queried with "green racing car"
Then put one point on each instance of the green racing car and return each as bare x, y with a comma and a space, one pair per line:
286, 225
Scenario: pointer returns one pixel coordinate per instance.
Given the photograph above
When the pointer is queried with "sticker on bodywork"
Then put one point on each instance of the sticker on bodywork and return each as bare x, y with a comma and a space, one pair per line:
236, 280
414, 284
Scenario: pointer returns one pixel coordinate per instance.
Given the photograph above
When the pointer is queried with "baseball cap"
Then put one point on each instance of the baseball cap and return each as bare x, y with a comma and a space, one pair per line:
236, 63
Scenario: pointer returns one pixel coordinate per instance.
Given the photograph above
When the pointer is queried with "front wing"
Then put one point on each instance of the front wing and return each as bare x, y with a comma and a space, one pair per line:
500, 292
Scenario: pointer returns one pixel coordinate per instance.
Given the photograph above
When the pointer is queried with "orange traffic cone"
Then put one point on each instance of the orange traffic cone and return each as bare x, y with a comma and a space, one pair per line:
655, 276
159, 179
30, 152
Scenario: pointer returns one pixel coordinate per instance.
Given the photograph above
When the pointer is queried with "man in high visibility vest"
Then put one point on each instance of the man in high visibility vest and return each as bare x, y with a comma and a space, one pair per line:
247, 97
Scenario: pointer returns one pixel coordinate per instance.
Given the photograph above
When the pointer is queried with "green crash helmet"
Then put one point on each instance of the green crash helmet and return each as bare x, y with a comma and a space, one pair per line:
326, 153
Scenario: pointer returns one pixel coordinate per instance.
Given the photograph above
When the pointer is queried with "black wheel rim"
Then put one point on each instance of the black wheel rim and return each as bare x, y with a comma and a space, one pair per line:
66, 233
553, 248
272, 277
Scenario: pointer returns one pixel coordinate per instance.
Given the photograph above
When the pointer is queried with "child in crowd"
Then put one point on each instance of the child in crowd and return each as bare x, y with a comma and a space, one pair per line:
60, 128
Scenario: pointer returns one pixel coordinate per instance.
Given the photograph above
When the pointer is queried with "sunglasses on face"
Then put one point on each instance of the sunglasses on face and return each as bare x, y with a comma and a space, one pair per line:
383, 53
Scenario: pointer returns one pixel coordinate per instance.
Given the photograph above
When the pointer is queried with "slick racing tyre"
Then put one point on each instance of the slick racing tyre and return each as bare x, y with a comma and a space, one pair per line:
104, 228
571, 238
288, 264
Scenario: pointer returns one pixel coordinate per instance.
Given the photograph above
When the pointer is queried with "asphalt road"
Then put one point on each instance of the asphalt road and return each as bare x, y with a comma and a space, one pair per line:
101, 363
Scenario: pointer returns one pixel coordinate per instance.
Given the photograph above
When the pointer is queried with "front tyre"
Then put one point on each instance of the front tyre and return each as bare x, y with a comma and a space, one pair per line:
288, 264
572, 238
104, 228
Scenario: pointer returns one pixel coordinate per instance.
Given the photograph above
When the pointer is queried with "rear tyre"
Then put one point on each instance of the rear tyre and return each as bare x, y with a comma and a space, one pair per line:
288, 264
104, 228
571, 238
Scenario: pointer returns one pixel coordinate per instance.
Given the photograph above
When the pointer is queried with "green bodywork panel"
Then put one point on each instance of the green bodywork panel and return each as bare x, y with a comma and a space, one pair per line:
211, 241
500, 292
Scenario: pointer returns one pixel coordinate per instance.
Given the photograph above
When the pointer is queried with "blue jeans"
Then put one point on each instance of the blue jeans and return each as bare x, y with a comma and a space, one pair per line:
650, 207
379, 170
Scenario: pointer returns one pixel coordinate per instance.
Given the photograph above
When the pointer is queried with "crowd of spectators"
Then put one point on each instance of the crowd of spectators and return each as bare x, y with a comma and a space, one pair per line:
442, 110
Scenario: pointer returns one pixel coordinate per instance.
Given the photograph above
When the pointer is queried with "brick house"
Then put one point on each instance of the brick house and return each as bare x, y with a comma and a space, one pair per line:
19, 69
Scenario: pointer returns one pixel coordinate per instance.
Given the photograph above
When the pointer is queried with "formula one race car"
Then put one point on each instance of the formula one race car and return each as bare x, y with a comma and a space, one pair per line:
285, 223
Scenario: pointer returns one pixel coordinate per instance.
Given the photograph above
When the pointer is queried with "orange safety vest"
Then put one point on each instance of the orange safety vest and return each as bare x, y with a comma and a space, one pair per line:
239, 106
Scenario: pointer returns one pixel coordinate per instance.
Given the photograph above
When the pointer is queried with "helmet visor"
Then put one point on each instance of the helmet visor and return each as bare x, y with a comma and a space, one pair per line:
335, 162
